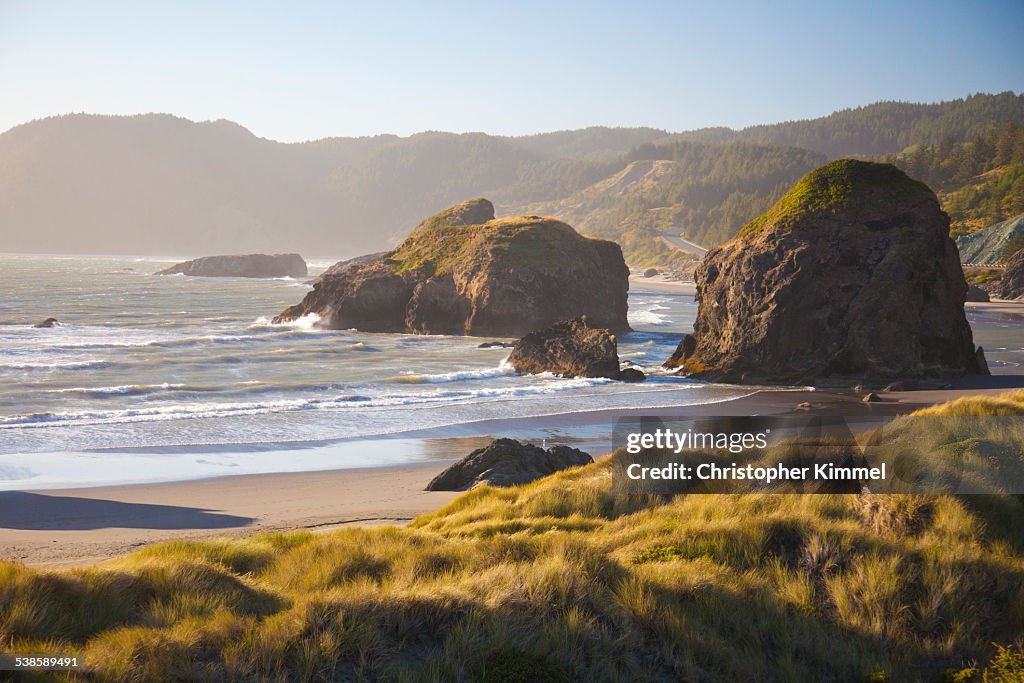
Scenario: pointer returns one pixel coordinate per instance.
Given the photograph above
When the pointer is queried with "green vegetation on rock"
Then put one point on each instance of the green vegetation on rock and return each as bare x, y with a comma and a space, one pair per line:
836, 186
437, 247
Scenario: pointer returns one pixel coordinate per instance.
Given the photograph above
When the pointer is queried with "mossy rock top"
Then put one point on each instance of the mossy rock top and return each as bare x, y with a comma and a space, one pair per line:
455, 239
837, 187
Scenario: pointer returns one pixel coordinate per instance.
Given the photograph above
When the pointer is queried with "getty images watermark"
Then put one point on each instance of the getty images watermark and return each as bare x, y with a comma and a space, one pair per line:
816, 454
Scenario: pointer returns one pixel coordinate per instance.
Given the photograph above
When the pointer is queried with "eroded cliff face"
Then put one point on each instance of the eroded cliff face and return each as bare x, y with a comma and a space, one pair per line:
464, 272
1011, 285
851, 276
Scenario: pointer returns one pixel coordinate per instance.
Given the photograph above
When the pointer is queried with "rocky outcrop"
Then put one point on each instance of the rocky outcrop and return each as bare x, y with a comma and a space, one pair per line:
1012, 284
348, 264
850, 277
241, 265
507, 462
632, 375
976, 294
49, 322
989, 246
684, 350
569, 348
463, 271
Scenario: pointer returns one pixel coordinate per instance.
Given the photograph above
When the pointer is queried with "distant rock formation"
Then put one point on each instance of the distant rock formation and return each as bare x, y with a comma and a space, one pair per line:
988, 246
976, 294
569, 348
464, 272
49, 322
241, 265
651, 272
851, 276
507, 462
1012, 285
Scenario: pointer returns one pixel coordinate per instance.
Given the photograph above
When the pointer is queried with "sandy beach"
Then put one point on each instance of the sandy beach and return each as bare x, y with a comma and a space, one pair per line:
661, 283
69, 527
81, 526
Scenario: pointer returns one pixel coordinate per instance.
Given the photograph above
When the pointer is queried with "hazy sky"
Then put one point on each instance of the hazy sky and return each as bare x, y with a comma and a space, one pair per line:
294, 71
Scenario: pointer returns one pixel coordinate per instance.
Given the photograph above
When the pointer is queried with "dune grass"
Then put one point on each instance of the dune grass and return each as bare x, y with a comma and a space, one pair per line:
560, 580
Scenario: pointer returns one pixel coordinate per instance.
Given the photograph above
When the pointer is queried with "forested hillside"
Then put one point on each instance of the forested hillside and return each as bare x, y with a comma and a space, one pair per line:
160, 184
705, 191
882, 128
980, 181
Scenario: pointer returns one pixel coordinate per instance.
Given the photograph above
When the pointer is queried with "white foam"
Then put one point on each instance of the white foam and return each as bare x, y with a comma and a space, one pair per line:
502, 370
120, 390
647, 317
68, 365
310, 321
339, 402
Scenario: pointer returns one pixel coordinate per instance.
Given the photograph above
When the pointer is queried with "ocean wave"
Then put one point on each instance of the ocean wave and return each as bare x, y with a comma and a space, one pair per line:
338, 403
68, 365
120, 390
308, 322
113, 342
502, 370
647, 317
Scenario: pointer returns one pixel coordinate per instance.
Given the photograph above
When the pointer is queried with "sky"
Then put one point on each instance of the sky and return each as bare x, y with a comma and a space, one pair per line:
298, 71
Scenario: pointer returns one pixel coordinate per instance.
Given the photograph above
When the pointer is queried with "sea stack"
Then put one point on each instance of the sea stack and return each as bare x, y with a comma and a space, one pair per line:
571, 348
463, 271
851, 277
241, 265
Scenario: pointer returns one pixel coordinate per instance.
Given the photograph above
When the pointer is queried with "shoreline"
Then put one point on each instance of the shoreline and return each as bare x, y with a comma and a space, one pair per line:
80, 526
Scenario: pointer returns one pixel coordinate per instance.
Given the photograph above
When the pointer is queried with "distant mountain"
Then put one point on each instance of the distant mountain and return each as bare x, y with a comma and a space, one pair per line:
992, 244
160, 184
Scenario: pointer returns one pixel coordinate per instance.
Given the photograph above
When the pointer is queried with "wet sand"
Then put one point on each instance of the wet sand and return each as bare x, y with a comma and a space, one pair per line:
81, 526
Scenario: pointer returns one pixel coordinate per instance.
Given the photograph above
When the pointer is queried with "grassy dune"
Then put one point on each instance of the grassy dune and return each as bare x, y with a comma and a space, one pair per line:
559, 581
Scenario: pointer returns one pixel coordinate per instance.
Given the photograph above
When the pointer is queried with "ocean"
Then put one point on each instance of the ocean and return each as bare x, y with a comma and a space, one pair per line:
146, 365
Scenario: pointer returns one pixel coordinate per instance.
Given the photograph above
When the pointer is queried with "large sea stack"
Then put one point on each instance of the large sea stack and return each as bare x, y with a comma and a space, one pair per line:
850, 277
241, 265
463, 271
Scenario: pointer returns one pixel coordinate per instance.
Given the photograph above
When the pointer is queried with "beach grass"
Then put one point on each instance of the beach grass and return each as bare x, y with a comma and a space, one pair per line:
560, 580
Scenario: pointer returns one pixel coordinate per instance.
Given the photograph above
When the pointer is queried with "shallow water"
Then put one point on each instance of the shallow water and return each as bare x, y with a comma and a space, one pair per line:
165, 365
144, 360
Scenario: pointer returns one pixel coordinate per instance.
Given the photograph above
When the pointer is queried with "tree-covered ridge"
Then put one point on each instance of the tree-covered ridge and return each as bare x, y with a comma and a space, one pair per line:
883, 127
209, 187
703, 190
980, 182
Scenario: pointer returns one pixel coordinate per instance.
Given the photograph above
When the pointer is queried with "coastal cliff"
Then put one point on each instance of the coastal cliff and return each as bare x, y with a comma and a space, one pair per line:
1012, 284
462, 271
850, 277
